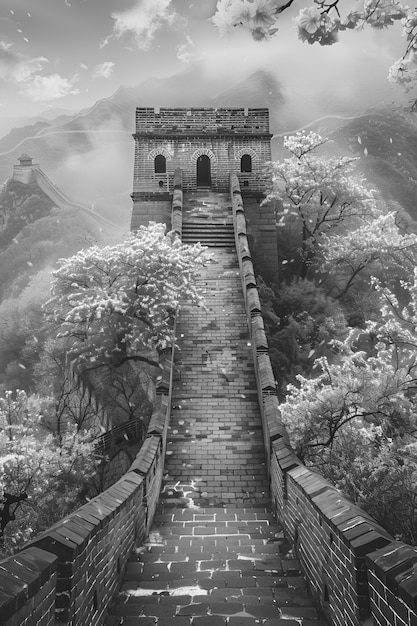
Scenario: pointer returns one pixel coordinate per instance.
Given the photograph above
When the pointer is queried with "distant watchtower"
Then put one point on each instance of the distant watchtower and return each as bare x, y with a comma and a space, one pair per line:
24, 171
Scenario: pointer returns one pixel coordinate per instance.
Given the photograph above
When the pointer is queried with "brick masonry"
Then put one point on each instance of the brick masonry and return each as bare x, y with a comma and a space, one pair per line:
215, 554
181, 135
355, 570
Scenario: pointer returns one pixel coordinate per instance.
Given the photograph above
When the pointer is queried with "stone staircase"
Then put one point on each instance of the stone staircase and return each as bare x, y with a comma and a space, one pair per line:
216, 555
207, 221
212, 235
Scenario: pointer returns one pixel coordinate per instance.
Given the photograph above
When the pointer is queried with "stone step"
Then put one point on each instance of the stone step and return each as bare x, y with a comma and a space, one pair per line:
209, 234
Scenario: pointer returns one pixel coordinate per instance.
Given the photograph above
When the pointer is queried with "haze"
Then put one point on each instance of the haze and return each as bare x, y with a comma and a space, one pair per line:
68, 54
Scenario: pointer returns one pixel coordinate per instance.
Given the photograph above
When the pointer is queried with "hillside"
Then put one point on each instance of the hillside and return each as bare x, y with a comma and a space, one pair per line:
35, 232
386, 141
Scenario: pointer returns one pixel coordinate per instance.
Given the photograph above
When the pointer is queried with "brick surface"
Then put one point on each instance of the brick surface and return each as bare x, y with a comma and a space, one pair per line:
213, 555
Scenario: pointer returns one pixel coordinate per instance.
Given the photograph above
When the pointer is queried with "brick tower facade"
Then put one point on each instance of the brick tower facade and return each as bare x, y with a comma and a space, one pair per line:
207, 144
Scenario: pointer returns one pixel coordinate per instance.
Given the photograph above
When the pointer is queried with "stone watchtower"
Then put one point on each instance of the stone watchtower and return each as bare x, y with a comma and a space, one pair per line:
24, 171
207, 144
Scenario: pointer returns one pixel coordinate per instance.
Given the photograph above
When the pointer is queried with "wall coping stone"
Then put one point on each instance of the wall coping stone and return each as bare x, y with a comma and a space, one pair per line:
22, 576
142, 464
286, 458
395, 565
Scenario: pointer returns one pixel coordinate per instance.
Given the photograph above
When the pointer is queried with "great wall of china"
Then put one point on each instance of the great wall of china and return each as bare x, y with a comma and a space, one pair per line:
217, 521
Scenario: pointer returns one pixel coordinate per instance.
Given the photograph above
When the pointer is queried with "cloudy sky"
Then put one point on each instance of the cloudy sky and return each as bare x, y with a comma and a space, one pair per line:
69, 53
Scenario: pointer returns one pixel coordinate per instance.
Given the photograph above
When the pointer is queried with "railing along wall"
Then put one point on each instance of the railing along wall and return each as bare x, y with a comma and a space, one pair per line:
355, 569
69, 573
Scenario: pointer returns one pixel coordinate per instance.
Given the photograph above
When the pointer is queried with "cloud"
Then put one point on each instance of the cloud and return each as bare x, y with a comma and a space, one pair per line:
40, 88
24, 73
103, 70
101, 177
142, 21
185, 52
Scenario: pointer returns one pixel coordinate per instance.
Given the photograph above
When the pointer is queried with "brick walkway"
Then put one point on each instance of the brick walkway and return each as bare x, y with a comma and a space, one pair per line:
215, 556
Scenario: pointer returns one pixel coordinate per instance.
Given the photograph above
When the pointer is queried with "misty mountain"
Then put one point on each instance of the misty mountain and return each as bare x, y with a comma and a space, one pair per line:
386, 142
90, 154
34, 233
260, 89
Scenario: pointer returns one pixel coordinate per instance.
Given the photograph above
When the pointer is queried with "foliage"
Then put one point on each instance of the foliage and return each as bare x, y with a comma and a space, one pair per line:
22, 331
116, 303
71, 409
321, 21
375, 247
20, 205
378, 473
355, 420
301, 321
319, 193
37, 470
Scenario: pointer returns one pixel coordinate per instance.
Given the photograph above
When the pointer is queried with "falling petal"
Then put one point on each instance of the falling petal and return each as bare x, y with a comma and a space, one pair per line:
26, 39
30, 264
12, 12
365, 151
310, 354
22, 366
359, 139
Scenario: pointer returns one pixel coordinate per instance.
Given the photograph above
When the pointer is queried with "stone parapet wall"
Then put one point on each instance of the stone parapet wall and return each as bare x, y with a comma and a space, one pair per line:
261, 231
356, 571
150, 210
28, 583
180, 120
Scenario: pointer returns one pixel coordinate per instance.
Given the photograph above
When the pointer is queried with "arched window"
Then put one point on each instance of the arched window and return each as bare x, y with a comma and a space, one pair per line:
246, 163
160, 164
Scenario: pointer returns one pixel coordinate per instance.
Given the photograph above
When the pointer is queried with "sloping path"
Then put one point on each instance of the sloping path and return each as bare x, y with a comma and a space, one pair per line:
215, 556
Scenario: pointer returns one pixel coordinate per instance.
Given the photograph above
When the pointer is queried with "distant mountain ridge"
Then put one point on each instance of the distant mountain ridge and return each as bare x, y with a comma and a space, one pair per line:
386, 141
90, 153
63, 144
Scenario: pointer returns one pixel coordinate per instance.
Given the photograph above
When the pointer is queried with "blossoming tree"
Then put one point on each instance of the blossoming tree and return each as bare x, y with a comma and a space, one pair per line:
322, 21
116, 304
355, 421
376, 245
319, 193
38, 471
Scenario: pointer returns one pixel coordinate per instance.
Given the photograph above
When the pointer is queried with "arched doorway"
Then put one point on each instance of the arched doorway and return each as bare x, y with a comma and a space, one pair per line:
246, 163
203, 171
